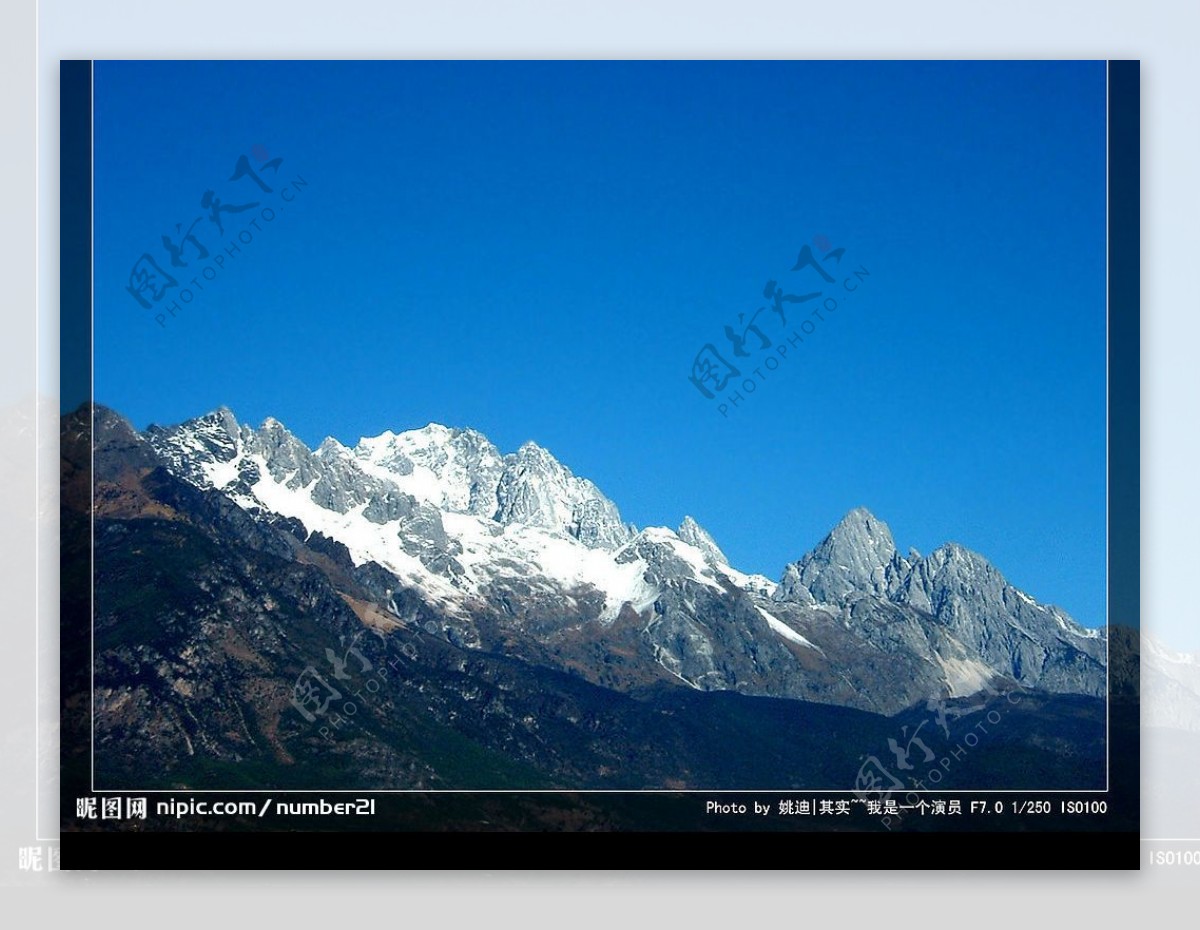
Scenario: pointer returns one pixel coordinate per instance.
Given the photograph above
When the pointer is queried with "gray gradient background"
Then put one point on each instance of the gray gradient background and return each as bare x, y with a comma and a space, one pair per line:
1165, 34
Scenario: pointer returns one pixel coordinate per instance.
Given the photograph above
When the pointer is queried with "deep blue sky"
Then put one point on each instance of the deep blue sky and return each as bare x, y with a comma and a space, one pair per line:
538, 251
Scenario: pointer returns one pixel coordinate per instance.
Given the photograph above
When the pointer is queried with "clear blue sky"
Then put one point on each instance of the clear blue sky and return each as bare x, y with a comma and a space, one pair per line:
538, 251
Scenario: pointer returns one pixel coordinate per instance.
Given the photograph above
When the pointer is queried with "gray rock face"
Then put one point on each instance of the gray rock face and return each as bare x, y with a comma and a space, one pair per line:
791, 589
971, 617
852, 559
1033, 644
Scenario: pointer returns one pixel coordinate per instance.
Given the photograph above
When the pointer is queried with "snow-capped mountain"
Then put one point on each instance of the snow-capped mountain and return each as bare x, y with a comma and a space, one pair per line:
514, 553
441, 509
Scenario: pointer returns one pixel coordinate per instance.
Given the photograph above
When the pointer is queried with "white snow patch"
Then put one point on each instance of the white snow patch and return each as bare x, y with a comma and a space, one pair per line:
490, 551
759, 584
440, 475
786, 631
220, 474
365, 540
1075, 629
570, 563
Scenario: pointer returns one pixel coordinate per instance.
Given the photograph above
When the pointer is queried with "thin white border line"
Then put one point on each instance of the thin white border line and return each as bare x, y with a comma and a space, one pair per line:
92, 406
37, 439
92, 592
1107, 446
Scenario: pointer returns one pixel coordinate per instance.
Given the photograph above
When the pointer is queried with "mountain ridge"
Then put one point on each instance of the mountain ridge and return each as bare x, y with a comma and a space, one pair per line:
518, 538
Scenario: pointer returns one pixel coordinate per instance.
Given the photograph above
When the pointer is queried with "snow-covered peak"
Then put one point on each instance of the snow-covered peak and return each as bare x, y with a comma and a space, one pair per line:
461, 471
692, 532
530, 451
331, 447
674, 559
191, 448
455, 470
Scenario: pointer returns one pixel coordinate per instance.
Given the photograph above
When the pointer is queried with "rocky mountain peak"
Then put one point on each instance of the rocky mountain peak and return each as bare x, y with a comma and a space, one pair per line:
116, 443
461, 471
227, 419
530, 453
109, 425
861, 527
853, 558
455, 470
213, 438
535, 489
692, 532
331, 447
958, 556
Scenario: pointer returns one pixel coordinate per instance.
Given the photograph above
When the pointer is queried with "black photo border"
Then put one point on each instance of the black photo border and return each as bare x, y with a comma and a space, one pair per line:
1108, 841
